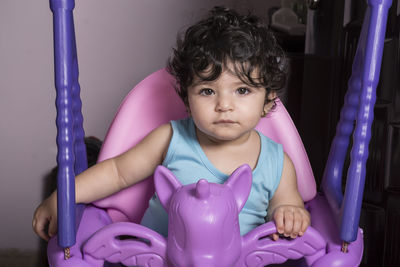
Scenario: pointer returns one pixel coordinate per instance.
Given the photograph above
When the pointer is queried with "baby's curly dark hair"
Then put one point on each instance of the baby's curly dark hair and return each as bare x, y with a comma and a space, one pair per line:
226, 36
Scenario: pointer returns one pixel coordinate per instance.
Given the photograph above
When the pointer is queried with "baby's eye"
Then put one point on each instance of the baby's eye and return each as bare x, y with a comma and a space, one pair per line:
206, 91
243, 91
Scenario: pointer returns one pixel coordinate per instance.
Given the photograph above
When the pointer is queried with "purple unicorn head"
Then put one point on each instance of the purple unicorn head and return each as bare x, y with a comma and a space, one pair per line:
203, 227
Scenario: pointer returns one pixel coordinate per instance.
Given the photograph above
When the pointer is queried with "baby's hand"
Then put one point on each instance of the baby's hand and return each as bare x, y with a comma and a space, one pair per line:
45, 214
290, 221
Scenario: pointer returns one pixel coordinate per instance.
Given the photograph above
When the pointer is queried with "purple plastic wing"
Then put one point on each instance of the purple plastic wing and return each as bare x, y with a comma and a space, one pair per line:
260, 250
128, 243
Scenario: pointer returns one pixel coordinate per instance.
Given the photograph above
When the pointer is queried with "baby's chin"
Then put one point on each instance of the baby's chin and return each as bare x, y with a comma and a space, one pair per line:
227, 135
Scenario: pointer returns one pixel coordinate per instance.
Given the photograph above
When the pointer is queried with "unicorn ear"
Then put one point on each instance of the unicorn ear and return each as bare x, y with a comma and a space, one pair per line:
166, 184
240, 183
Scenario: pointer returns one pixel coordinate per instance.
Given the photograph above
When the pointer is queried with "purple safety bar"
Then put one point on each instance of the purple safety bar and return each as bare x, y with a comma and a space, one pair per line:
71, 157
358, 106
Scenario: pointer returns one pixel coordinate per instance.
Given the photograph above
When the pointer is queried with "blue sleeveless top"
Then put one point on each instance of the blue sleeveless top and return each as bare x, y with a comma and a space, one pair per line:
187, 160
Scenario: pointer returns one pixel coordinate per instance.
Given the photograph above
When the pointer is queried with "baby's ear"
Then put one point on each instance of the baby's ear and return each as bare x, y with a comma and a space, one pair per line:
166, 184
240, 183
272, 95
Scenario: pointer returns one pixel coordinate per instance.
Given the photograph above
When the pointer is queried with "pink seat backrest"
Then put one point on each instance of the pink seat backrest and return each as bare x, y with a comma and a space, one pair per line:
154, 102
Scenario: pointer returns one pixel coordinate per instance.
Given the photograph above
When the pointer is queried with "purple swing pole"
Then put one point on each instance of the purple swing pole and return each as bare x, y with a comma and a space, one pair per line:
81, 162
359, 106
71, 157
356, 176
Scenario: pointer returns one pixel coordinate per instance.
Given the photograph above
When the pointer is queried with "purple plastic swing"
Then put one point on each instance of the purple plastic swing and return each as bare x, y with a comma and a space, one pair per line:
107, 230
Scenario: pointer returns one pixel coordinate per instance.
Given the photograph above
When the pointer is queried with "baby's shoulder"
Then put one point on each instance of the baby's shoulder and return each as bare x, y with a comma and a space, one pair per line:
163, 129
162, 133
265, 139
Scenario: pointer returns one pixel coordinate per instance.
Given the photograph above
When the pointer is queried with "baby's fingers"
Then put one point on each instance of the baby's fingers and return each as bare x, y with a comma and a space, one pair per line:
52, 227
289, 222
40, 228
279, 221
297, 225
306, 221
275, 236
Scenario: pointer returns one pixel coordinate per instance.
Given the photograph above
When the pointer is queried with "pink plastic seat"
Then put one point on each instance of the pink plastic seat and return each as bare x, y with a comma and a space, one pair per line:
151, 103
154, 102
156, 98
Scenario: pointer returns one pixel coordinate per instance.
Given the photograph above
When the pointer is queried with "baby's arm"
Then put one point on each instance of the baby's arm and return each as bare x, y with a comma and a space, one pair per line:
286, 207
108, 177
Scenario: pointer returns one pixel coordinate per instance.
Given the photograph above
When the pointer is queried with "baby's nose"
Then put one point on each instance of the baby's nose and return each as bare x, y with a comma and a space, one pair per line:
224, 104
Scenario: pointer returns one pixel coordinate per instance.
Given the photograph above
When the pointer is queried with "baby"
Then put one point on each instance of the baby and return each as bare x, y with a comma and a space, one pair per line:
229, 69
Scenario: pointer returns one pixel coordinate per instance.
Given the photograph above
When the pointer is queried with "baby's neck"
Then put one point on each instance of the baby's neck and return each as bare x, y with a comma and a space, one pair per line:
226, 156
208, 141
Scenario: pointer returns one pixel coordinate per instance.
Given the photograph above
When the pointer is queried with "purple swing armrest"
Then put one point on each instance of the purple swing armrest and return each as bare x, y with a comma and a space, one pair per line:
92, 220
260, 250
129, 243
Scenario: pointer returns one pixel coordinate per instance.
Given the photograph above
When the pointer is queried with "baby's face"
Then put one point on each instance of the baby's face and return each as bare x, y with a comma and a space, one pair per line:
225, 109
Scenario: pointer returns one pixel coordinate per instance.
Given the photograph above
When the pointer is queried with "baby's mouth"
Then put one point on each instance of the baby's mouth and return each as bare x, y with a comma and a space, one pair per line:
224, 122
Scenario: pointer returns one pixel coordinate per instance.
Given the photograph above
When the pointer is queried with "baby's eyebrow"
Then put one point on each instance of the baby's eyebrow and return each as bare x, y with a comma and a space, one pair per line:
240, 83
210, 83
202, 82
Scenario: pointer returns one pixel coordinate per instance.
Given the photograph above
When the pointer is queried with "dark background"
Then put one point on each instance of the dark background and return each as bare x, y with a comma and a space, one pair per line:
321, 64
